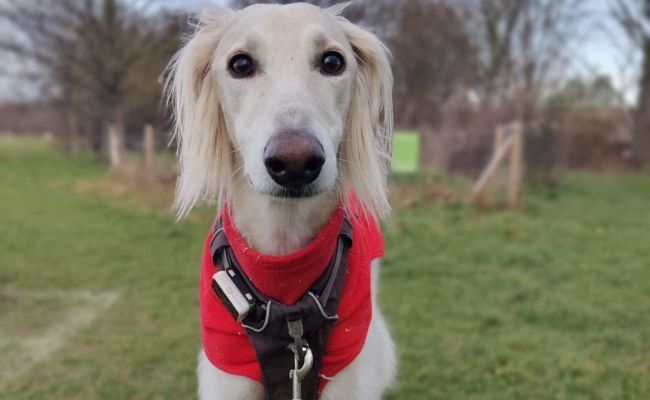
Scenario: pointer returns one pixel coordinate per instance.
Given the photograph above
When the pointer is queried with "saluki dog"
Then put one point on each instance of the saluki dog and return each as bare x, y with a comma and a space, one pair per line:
283, 116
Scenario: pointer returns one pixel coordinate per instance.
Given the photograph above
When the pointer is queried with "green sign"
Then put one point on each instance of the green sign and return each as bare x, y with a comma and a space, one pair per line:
406, 152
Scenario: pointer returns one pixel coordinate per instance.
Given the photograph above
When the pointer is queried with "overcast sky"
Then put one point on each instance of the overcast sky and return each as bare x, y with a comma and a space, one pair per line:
604, 50
601, 52
191, 4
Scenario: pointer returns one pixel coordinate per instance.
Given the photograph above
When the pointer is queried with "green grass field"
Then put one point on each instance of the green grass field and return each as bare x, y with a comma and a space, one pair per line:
550, 303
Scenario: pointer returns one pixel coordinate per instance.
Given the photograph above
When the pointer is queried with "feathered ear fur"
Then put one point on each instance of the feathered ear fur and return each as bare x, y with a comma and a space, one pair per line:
205, 151
366, 147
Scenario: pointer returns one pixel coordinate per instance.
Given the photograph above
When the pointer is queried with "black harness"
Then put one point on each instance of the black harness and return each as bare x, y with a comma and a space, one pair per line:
289, 341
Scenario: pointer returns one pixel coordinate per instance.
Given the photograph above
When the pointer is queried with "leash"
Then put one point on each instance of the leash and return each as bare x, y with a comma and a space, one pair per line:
289, 340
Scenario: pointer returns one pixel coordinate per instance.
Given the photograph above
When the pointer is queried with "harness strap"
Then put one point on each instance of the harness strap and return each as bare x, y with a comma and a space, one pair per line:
274, 329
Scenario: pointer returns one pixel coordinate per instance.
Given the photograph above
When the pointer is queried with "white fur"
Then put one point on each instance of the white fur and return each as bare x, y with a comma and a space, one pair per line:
222, 126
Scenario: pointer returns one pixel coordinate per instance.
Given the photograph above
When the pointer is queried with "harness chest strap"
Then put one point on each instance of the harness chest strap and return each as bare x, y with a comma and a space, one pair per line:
268, 323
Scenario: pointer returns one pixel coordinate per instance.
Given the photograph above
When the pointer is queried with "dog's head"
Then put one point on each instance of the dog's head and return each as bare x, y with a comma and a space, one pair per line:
294, 101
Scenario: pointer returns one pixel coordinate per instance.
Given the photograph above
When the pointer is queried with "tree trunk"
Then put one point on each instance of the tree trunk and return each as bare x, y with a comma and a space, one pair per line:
642, 119
63, 133
96, 133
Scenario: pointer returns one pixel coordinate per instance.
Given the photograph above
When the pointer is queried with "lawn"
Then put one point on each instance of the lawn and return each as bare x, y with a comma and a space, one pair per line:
549, 303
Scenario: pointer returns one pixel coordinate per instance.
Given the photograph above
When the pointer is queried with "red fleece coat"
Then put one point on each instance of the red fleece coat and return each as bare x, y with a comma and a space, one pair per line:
286, 279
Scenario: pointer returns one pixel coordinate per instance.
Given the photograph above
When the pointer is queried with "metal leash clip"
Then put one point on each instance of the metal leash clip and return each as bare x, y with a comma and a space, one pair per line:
300, 372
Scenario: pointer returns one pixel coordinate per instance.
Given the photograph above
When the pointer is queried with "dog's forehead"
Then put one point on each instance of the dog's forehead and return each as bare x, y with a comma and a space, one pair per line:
288, 23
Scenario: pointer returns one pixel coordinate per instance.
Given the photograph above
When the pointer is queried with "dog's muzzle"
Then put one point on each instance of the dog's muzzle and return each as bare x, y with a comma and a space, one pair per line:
294, 159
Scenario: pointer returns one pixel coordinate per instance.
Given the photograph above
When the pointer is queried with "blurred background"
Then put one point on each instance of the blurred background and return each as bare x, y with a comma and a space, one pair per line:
518, 256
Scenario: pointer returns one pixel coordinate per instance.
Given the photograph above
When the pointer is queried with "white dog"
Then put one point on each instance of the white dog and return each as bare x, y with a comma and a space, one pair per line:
283, 115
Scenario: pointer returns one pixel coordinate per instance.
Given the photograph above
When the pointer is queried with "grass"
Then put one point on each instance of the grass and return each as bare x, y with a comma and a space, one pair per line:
550, 303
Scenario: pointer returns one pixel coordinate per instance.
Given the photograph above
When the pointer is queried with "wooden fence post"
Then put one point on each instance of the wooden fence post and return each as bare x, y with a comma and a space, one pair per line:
499, 139
149, 148
114, 146
508, 147
516, 166
493, 167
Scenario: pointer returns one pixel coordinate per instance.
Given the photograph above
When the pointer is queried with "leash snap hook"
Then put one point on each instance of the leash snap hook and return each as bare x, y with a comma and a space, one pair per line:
300, 371
303, 358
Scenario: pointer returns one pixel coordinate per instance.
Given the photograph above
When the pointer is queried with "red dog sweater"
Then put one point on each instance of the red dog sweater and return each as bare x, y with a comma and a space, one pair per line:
286, 279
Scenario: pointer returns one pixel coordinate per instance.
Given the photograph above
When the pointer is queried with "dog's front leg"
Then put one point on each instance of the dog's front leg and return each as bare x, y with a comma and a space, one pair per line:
215, 384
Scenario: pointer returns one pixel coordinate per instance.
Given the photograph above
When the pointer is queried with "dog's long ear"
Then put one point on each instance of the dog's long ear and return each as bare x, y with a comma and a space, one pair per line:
366, 147
204, 149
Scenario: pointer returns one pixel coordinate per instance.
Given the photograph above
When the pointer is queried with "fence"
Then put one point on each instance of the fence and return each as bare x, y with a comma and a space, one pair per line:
117, 148
508, 149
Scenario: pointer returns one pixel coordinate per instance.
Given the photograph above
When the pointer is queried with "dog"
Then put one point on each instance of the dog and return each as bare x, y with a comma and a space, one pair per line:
283, 116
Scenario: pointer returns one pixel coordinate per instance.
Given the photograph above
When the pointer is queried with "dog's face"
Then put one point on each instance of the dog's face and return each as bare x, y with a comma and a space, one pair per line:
285, 77
293, 101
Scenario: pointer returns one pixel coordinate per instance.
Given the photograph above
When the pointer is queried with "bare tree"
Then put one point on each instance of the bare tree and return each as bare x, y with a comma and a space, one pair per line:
353, 11
634, 17
89, 52
434, 59
320, 3
523, 45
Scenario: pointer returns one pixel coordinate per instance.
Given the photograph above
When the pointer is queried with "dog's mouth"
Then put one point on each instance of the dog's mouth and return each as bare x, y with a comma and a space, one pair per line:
295, 193
287, 192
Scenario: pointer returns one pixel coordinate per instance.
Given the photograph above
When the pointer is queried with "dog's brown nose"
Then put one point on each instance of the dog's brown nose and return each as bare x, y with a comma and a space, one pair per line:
294, 159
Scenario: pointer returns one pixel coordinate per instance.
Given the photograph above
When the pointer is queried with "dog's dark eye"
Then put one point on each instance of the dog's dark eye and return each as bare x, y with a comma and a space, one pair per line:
332, 63
241, 66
